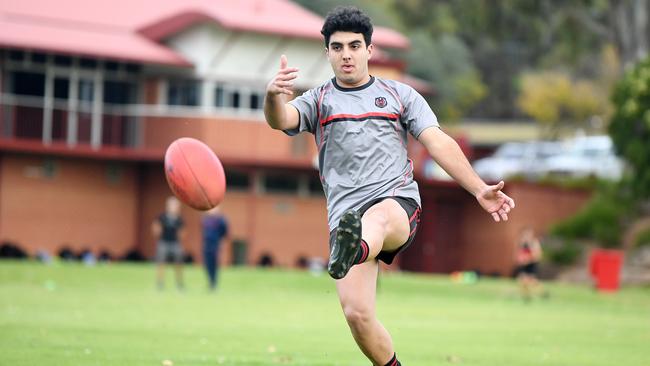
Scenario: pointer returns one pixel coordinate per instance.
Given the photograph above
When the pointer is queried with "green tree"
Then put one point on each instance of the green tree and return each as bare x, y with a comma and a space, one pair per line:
504, 38
378, 10
556, 101
446, 62
630, 125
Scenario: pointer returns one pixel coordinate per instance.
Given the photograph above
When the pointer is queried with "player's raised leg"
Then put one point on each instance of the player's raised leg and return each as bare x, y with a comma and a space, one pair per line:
384, 226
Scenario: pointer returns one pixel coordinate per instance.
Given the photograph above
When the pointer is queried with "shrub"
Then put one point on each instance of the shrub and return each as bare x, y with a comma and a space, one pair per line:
602, 219
566, 254
643, 239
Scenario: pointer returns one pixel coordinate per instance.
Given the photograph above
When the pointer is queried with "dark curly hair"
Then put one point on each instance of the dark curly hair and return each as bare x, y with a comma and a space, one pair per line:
347, 19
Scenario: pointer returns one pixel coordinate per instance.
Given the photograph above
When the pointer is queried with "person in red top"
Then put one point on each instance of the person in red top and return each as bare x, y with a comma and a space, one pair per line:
527, 256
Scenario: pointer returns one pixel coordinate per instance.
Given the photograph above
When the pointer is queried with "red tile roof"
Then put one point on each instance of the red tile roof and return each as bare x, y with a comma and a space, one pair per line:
131, 29
118, 45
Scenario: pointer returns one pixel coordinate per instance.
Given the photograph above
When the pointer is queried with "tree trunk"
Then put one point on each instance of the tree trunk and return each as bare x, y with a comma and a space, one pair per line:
629, 20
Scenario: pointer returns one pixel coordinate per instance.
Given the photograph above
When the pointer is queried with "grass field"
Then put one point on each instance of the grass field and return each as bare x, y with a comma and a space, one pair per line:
68, 314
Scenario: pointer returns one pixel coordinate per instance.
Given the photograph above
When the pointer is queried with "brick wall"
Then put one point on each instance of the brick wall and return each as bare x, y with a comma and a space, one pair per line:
46, 203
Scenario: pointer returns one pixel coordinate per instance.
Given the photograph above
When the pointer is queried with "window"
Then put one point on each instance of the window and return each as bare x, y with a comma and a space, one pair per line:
28, 83
229, 96
111, 66
86, 94
62, 61
237, 180
235, 99
16, 55
86, 89
39, 58
256, 101
29, 119
88, 63
119, 92
183, 92
60, 113
315, 186
276, 183
132, 68
61, 87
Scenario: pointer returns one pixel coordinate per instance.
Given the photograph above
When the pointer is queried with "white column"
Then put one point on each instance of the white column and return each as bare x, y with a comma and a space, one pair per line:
258, 182
98, 103
244, 99
162, 91
73, 103
3, 89
48, 103
207, 96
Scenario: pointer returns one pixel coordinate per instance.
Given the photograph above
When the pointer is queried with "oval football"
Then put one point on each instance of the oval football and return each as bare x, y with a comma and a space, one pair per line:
194, 173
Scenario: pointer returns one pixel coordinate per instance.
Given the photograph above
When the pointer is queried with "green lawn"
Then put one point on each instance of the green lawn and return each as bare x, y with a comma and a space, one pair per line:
68, 314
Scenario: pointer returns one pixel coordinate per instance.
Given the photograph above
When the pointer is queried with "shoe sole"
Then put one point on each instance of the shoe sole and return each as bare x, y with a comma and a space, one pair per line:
348, 237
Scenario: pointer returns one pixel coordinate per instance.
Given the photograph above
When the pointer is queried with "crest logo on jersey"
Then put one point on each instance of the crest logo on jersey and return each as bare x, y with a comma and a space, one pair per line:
381, 102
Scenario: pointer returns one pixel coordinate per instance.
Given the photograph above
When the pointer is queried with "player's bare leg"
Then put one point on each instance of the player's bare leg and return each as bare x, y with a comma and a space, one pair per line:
179, 276
385, 226
525, 287
160, 276
357, 296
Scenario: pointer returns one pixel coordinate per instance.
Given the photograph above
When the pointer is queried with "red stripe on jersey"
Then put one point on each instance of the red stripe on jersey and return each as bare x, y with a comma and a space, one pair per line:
394, 116
318, 107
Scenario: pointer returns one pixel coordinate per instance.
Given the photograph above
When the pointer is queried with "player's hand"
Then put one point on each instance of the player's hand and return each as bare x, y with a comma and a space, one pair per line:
282, 83
495, 202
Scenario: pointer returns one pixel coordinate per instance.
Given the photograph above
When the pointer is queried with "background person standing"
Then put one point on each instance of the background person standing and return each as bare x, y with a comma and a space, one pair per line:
215, 229
528, 255
168, 230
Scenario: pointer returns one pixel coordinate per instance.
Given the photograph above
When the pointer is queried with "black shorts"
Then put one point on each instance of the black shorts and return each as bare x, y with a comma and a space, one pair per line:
529, 269
413, 211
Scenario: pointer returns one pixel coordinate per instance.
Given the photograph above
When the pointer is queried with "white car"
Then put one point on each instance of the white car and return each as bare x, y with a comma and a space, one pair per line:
584, 157
516, 159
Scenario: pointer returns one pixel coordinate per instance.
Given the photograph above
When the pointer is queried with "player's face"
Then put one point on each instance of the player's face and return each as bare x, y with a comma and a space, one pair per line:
173, 206
349, 55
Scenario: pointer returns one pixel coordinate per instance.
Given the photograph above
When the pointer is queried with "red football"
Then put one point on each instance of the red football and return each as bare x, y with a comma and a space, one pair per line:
194, 173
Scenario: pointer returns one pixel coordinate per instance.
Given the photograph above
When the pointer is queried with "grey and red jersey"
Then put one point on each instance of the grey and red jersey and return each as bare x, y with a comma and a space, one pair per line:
361, 134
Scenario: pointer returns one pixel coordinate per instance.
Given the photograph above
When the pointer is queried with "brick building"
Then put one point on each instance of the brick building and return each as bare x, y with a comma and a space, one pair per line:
92, 93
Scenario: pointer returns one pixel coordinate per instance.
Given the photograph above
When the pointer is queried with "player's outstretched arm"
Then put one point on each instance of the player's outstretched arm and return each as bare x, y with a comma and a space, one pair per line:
280, 115
446, 152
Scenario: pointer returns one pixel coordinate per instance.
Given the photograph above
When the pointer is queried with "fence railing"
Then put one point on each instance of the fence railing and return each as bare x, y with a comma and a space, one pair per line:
83, 123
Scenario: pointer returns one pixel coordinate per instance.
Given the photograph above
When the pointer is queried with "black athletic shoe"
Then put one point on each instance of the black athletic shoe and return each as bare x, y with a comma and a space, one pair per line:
346, 246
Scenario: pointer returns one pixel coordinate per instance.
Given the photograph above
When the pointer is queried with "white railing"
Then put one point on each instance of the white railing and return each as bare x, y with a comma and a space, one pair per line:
81, 111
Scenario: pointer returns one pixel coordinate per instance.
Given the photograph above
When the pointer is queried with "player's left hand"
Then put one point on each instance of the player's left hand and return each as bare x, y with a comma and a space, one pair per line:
495, 202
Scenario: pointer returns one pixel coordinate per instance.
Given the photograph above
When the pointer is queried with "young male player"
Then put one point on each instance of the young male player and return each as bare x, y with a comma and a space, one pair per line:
360, 124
